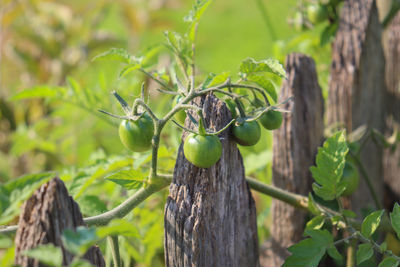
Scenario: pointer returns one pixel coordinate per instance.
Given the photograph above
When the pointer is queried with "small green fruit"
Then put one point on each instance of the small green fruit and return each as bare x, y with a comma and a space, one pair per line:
271, 120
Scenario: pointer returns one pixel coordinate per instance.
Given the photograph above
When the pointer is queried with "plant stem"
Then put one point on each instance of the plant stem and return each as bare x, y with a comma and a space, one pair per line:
367, 180
376, 247
113, 242
351, 253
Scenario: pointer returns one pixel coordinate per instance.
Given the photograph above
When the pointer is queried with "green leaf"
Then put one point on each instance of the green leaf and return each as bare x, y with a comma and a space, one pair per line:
42, 91
118, 227
383, 247
389, 262
129, 68
218, 79
265, 83
329, 167
316, 223
305, 253
5, 241
91, 205
334, 253
116, 54
79, 241
395, 219
47, 254
328, 33
129, 179
250, 66
194, 16
371, 223
349, 214
364, 252
322, 237
80, 263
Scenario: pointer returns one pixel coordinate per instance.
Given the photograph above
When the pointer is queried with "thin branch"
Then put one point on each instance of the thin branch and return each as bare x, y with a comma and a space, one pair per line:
113, 241
160, 82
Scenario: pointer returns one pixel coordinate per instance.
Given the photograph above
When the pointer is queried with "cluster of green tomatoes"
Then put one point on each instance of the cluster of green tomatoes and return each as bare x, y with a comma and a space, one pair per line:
203, 149
314, 13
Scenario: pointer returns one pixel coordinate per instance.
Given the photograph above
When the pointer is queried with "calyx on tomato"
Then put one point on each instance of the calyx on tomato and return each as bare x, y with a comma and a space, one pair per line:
137, 135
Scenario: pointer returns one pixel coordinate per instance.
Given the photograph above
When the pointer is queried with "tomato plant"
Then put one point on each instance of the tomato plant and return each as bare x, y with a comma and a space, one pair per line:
350, 178
202, 150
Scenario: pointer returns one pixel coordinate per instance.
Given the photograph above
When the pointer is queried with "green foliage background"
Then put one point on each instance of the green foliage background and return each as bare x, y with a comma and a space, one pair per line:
48, 46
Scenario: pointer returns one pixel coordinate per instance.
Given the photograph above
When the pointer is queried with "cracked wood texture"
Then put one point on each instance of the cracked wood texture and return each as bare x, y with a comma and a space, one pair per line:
357, 86
210, 214
44, 216
294, 149
391, 156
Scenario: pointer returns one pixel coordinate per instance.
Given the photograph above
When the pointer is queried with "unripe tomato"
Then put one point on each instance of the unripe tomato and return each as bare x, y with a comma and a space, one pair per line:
202, 150
180, 116
350, 178
247, 133
317, 13
137, 135
271, 120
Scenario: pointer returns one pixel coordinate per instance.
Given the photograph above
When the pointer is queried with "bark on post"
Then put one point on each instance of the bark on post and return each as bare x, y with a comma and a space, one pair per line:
295, 146
357, 86
44, 216
391, 157
210, 215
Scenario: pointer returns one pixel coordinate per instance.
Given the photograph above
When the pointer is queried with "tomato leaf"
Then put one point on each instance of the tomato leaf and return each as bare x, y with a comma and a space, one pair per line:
250, 66
47, 254
364, 252
115, 54
315, 223
265, 83
389, 262
79, 241
129, 179
41, 91
194, 16
371, 223
330, 163
395, 219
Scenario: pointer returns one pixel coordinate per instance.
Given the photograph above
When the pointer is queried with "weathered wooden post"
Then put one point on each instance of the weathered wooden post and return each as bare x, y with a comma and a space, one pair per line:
44, 216
210, 216
295, 146
357, 87
391, 157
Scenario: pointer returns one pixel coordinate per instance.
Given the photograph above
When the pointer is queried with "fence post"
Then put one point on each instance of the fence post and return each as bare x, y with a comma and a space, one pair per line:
294, 148
210, 215
357, 87
391, 157
44, 216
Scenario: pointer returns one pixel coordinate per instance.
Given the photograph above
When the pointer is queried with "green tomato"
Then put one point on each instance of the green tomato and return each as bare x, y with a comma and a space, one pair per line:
180, 116
202, 150
271, 120
350, 178
137, 135
317, 13
247, 133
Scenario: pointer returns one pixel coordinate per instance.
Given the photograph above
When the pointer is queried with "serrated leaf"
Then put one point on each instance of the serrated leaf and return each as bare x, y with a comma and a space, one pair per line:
79, 241
389, 262
364, 252
330, 161
218, 79
194, 16
47, 254
265, 83
129, 179
316, 223
116, 54
42, 91
173, 39
250, 66
305, 253
322, 237
371, 223
395, 219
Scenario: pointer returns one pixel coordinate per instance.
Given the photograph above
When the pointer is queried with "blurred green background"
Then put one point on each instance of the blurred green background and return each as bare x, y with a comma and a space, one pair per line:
49, 46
